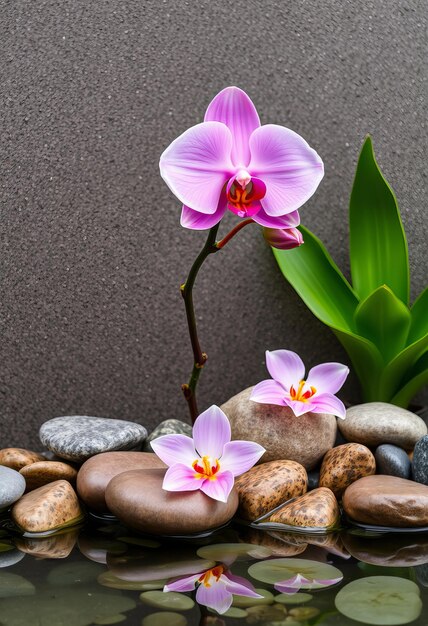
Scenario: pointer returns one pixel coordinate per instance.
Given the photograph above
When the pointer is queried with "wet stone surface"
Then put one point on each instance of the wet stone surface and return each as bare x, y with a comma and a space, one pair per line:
167, 427
420, 461
393, 461
344, 465
316, 509
12, 486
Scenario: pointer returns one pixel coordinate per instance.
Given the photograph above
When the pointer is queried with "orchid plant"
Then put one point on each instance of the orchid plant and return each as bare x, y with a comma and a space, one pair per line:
210, 461
229, 162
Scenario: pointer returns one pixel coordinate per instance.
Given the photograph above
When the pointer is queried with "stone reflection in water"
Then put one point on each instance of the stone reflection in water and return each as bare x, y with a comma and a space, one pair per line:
96, 547
388, 551
230, 552
57, 546
274, 542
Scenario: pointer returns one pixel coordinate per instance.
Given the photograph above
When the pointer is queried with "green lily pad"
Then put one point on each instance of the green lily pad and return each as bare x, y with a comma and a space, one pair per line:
295, 598
167, 600
5, 547
111, 619
232, 612
278, 570
229, 552
244, 601
12, 585
74, 573
164, 617
380, 601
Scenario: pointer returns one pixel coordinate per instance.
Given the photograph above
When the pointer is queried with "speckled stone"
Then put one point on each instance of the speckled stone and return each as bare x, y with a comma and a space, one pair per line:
96, 473
47, 508
392, 461
12, 486
168, 427
44, 472
304, 439
316, 509
344, 465
138, 500
17, 458
266, 486
387, 501
420, 461
375, 423
78, 437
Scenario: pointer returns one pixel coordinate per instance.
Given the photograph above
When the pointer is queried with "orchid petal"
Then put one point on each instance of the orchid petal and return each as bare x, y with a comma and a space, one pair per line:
285, 367
183, 584
327, 403
196, 165
268, 392
239, 456
181, 478
234, 108
201, 221
290, 220
292, 585
239, 586
300, 408
218, 487
327, 582
172, 449
291, 169
283, 239
327, 377
215, 597
211, 432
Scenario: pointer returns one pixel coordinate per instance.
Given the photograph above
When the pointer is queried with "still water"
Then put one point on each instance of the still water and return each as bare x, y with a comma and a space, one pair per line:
101, 573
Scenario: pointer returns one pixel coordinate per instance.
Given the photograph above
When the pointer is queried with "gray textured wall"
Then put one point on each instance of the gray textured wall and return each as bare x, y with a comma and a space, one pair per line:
92, 253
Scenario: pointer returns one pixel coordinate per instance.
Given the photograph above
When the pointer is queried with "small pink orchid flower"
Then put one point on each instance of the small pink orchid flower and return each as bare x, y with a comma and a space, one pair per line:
294, 584
285, 239
289, 387
210, 461
230, 161
214, 587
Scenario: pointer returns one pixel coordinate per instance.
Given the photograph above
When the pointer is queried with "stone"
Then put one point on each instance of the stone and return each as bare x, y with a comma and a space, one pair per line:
167, 427
304, 439
44, 472
266, 486
12, 486
387, 501
57, 546
375, 423
17, 458
344, 465
138, 500
420, 461
316, 509
392, 461
47, 508
96, 473
78, 437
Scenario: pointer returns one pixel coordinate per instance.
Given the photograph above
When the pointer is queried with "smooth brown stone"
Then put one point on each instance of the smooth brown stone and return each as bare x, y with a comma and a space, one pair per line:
393, 551
96, 473
47, 508
304, 439
266, 486
54, 547
344, 465
316, 509
387, 501
44, 472
17, 458
138, 500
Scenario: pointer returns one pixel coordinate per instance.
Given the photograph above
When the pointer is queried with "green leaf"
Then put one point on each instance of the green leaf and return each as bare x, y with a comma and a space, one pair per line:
419, 314
378, 246
396, 370
319, 282
417, 378
385, 320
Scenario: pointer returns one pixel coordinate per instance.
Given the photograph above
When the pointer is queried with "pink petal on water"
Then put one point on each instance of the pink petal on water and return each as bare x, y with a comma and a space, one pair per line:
201, 221
327, 403
285, 366
268, 392
239, 456
197, 164
292, 585
183, 584
239, 586
327, 377
289, 167
181, 478
211, 432
172, 449
215, 597
290, 220
234, 108
327, 582
219, 487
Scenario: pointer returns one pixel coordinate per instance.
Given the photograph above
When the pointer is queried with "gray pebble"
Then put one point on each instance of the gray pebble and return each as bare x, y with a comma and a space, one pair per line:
12, 486
168, 427
420, 461
11, 557
392, 461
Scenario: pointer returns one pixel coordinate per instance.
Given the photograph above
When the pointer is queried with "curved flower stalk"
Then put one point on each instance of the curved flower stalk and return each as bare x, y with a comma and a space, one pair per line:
289, 387
263, 174
210, 461
297, 582
214, 587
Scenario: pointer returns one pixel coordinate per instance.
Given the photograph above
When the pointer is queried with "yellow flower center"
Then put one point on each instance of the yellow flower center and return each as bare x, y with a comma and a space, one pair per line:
301, 395
215, 573
206, 467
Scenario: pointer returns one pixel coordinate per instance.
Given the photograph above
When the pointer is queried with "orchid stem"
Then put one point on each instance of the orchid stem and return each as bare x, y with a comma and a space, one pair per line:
199, 357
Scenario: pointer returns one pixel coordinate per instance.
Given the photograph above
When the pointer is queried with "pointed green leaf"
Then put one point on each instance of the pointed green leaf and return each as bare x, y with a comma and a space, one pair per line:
415, 380
395, 371
385, 320
419, 314
319, 282
378, 246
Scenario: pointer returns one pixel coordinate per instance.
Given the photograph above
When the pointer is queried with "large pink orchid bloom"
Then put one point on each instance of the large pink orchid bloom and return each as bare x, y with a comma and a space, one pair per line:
230, 161
210, 461
289, 387
297, 582
214, 587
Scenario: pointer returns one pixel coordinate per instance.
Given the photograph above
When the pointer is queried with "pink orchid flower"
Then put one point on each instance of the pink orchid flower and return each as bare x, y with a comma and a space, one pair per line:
289, 387
214, 587
285, 239
295, 583
210, 461
230, 161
